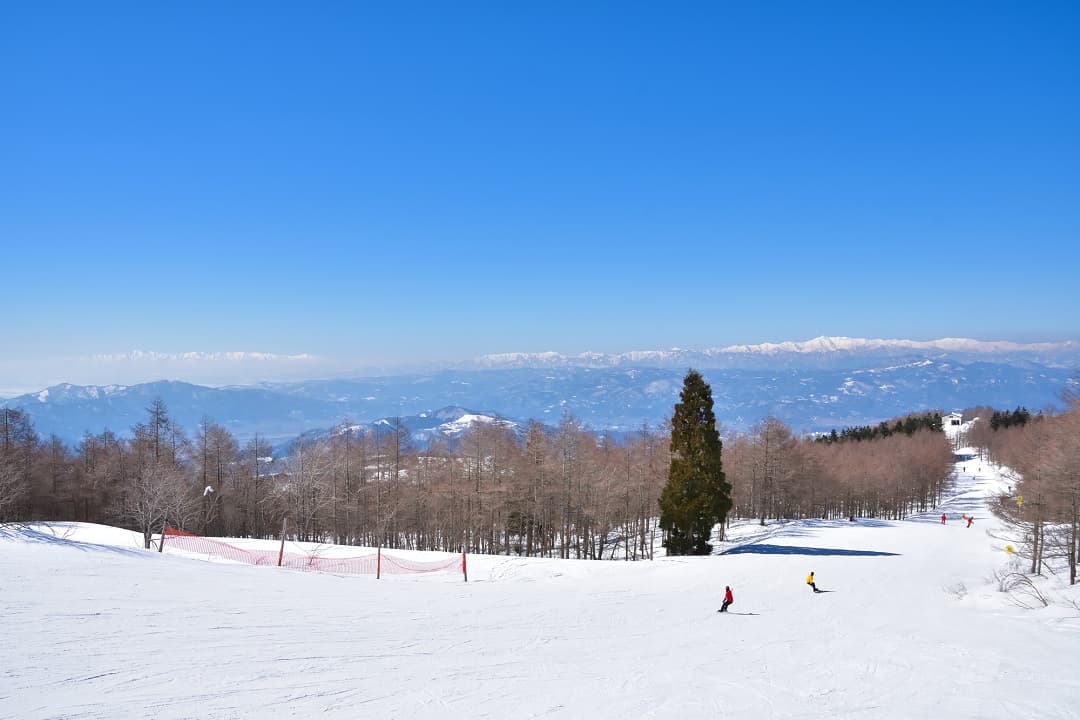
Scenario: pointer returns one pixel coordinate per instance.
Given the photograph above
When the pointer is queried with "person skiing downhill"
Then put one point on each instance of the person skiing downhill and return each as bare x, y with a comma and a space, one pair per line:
728, 598
810, 581
942, 518
970, 520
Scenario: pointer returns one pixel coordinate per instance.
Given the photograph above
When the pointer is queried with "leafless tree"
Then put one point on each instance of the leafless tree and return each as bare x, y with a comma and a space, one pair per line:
157, 496
156, 490
305, 492
18, 447
12, 489
218, 467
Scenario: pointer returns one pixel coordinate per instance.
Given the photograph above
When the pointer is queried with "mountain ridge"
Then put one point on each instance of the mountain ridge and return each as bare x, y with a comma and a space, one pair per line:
808, 398
843, 346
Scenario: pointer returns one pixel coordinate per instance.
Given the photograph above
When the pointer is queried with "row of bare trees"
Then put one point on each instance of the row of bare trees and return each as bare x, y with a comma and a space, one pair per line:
1045, 502
561, 491
776, 475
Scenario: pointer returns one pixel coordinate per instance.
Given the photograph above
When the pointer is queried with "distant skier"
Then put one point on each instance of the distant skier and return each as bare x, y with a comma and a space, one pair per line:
970, 520
728, 598
810, 581
942, 518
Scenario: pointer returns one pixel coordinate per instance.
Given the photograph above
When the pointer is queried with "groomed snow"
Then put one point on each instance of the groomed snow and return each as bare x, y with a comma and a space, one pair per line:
914, 627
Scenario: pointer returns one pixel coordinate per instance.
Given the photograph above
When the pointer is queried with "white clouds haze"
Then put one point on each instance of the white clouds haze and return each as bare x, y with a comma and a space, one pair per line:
127, 368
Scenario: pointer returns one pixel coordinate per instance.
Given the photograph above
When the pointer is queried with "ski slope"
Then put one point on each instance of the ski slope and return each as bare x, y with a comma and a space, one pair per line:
913, 626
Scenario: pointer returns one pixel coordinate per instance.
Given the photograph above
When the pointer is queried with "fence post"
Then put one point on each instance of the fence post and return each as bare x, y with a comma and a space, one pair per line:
161, 545
281, 552
378, 562
464, 570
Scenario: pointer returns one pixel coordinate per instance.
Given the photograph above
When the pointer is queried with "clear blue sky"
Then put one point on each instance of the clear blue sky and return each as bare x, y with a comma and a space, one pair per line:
410, 181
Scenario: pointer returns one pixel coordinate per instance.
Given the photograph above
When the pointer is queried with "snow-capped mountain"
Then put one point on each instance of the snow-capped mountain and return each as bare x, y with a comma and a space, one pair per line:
817, 385
816, 352
448, 423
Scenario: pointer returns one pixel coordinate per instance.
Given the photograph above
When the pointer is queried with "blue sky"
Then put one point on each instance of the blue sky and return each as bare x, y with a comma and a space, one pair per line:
399, 182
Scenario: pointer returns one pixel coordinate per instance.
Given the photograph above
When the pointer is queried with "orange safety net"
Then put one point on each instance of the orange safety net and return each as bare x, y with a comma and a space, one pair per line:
359, 565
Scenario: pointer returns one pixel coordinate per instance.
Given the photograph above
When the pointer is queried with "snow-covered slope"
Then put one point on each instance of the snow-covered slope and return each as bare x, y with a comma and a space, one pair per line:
913, 627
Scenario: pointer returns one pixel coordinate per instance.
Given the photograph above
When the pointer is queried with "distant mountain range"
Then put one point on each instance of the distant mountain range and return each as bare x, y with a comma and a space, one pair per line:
813, 386
819, 352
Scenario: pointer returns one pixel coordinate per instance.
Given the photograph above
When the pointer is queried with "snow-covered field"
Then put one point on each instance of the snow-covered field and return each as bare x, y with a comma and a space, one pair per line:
914, 627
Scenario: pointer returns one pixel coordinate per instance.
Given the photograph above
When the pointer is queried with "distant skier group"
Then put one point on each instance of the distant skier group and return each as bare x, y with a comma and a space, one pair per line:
970, 519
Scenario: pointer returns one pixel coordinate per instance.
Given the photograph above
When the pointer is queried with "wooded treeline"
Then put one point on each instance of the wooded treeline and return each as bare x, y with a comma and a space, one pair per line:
562, 491
1044, 451
908, 425
775, 474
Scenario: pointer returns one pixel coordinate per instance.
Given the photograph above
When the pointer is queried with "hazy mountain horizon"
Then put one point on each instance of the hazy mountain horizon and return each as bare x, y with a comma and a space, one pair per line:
813, 386
822, 351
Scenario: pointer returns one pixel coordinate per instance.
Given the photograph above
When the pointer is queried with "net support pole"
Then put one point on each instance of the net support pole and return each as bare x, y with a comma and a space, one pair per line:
281, 552
161, 545
378, 562
464, 569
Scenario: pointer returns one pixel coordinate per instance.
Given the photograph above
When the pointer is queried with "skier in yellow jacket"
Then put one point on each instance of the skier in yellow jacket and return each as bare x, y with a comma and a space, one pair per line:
810, 581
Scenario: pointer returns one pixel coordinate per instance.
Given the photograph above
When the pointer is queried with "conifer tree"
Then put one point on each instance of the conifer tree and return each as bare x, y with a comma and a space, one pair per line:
696, 495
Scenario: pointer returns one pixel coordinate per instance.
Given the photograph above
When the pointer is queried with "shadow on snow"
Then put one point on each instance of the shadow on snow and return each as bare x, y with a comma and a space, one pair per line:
23, 533
766, 549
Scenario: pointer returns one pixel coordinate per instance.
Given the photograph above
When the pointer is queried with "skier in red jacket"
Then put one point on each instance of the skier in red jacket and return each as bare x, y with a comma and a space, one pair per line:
942, 518
728, 598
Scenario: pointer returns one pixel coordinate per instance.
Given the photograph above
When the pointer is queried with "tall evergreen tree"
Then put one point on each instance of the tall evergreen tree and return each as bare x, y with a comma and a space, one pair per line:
696, 495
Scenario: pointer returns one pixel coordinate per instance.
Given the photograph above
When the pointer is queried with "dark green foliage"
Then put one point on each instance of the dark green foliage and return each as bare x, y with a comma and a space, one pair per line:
1003, 418
696, 496
908, 425
519, 523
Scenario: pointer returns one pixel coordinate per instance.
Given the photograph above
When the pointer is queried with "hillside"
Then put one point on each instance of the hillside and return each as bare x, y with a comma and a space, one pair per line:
913, 626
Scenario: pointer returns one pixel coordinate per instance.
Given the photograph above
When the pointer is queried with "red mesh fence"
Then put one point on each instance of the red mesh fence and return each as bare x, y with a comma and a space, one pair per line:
371, 564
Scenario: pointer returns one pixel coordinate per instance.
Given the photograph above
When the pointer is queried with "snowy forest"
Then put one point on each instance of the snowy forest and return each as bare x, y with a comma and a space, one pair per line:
562, 491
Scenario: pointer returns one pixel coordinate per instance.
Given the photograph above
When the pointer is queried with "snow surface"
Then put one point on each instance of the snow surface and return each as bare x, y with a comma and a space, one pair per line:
913, 627
463, 423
